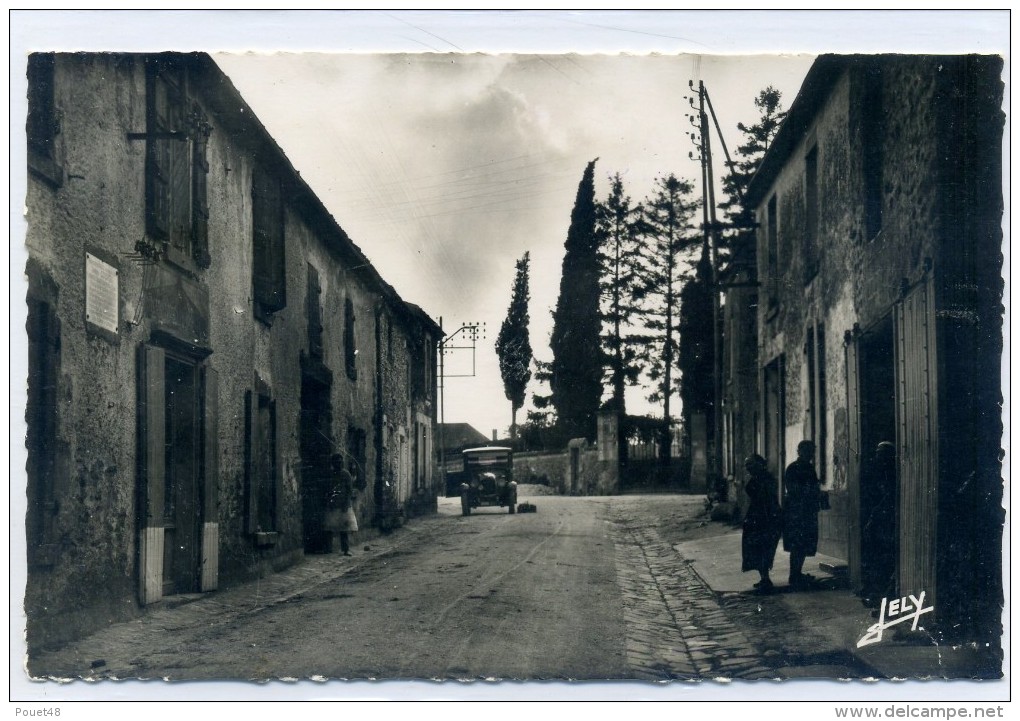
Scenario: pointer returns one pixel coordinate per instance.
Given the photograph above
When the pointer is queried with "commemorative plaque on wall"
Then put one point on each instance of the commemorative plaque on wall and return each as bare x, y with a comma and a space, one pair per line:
101, 294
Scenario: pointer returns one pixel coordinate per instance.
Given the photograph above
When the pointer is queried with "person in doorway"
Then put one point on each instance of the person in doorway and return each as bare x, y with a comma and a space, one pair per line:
801, 494
878, 532
340, 505
762, 522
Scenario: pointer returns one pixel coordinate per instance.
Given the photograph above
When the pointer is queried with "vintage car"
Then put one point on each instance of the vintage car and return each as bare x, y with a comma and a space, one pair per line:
488, 479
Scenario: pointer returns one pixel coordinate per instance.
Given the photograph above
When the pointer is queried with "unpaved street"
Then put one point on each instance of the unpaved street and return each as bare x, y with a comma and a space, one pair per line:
586, 588
487, 595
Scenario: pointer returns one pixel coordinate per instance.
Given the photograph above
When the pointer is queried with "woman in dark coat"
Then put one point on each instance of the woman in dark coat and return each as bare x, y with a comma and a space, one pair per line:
801, 492
762, 522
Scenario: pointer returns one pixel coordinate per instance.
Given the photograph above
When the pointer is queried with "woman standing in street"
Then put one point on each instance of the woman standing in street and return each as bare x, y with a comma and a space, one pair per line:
801, 492
340, 517
762, 522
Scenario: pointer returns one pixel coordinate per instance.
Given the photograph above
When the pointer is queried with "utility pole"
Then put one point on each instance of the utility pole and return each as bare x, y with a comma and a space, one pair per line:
472, 332
712, 243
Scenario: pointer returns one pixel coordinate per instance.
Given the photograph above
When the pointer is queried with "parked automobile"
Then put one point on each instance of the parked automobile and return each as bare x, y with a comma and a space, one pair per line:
488, 479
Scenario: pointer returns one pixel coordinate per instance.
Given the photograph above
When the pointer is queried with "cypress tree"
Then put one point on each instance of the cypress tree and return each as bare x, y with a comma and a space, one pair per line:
513, 345
577, 358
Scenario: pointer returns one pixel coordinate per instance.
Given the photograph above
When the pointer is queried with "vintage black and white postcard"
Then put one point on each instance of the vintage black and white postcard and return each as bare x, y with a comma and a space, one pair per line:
504, 355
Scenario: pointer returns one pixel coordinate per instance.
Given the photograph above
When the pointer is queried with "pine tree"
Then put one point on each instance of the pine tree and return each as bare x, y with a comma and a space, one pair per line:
577, 359
670, 240
513, 345
757, 140
620, 225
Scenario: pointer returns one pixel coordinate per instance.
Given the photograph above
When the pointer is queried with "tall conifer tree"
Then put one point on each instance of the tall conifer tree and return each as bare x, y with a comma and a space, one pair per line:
577, 358
513, 345
667, 256
620, 225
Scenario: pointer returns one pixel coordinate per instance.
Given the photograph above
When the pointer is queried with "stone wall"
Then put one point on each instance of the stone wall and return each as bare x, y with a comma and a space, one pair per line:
861, 274
85, 530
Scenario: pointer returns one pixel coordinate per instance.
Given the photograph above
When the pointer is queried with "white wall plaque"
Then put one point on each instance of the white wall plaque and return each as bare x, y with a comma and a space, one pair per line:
101, 294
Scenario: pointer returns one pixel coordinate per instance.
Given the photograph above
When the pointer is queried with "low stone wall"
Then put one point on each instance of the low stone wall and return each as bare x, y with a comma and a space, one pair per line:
548, 469
594, 477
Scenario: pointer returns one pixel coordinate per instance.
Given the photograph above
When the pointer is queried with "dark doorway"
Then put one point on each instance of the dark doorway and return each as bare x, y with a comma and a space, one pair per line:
182, 511
879, 489
316, 448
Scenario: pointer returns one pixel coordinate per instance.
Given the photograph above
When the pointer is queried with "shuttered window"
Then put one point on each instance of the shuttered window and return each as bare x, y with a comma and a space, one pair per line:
43, 122
268, 267
810, 247
772, 255
350, 343
314, 314
41, 414
853, 457
42, 125
817, 410
261, 463
176, 207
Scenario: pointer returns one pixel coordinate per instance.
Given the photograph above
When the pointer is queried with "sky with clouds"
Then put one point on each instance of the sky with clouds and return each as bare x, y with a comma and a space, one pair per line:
448, 143
446, 167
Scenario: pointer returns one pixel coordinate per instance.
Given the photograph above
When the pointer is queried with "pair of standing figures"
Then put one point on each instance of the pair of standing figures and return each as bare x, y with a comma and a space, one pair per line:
796, 521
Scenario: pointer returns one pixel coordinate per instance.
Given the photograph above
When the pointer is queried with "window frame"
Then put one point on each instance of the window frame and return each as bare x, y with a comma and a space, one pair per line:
269, 271
261, 522
812, 219
42, 124
350, 340
176, 166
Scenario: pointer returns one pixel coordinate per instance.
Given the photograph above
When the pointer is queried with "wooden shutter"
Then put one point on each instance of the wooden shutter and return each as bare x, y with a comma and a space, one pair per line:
211, 445
267, 220
853, 451
41, 125
158, 159
179, 152
350, 341
915, 440
210, 479
199, 191
251, 453
152, 452
314, 313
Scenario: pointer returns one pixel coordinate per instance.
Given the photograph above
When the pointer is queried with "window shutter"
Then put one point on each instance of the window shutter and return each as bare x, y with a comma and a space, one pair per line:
199, 195
350, 347
180, 183
269, 262
158, 159
210, 450
41, 126
853, 471
152, 481
251, 454
314, 314
210, 480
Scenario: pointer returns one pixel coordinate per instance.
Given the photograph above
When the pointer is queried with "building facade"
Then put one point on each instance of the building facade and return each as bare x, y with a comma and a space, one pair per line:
202, 336
879, 318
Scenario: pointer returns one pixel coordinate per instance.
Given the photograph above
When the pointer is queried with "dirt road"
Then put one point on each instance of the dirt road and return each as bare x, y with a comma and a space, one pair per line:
490, 595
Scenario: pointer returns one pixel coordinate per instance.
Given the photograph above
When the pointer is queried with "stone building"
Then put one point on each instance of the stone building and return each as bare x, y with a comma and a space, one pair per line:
879, 260
739, 368
202, 336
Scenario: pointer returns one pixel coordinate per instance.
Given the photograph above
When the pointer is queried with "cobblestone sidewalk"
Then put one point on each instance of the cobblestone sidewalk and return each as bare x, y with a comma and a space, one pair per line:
676, 628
